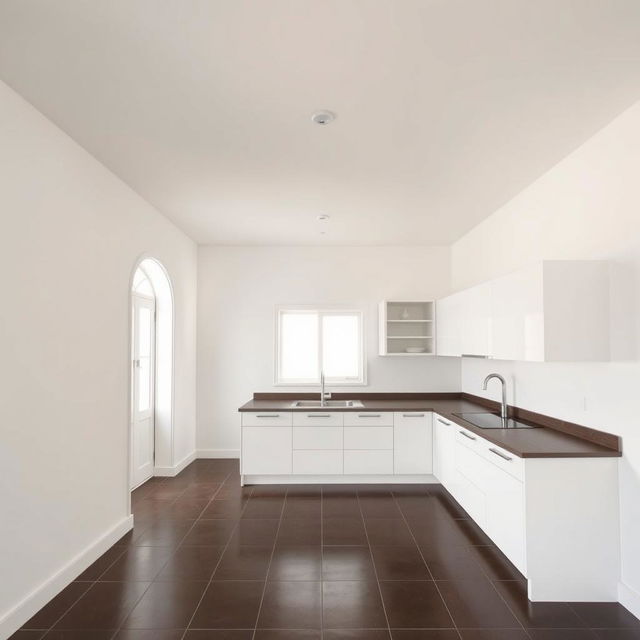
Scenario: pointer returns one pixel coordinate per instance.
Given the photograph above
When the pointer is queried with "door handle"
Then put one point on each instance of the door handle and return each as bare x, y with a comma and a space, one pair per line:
369, 415
413, 415
466, 435
500, 454
441, 421
271, 415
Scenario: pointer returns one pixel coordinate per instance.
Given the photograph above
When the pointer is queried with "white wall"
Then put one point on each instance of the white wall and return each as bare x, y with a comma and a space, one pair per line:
70, 235
588, 206
238, 288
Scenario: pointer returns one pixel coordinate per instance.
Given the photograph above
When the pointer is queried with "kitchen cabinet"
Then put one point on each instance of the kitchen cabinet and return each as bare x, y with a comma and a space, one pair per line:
406, 328
444, 452
464, 323
555, 310
492, 495
412, 442
347, 443
545, 514
266, 450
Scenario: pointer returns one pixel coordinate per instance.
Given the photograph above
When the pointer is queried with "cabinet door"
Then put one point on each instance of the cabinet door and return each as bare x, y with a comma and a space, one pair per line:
475, 321
266, 450
443, 451
448, 329
469, 484
517, 327
505, 514
412, 442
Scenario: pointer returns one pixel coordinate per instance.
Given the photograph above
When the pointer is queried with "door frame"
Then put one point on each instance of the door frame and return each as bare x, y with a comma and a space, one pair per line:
165, 312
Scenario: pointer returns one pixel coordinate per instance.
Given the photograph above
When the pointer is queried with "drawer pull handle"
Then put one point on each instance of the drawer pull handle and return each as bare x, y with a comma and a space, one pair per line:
369, 415
318, 415
466, 435
413, 415
500, 454
441, 421
270, 415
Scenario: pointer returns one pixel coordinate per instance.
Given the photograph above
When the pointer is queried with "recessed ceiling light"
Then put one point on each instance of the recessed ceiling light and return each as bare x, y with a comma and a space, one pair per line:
323, 117
323, 218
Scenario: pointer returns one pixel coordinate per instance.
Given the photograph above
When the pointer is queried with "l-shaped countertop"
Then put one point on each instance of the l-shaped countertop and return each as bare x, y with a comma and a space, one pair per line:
553, 438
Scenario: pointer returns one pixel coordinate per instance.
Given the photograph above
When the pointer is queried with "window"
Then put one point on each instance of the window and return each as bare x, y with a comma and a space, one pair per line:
311, 341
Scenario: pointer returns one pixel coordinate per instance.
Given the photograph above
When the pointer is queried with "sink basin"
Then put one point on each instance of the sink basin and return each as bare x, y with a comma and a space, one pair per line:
338, 404
492, 421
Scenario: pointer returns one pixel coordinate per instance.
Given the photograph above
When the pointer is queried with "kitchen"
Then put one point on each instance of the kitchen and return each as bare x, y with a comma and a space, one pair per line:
389, 266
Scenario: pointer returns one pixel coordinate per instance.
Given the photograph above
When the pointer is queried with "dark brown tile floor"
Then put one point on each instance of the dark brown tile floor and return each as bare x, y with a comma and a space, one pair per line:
210, 560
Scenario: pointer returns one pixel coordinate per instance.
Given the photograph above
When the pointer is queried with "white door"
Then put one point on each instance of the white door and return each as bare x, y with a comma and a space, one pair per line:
143, 388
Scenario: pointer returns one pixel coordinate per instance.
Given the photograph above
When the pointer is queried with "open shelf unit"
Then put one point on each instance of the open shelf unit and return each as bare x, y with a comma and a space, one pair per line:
405, 326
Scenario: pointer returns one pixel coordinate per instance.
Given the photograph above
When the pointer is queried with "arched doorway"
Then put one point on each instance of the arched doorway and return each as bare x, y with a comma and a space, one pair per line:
151, 404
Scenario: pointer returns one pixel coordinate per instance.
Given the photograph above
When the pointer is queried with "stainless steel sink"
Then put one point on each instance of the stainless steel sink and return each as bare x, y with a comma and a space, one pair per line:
492, 421
337, 404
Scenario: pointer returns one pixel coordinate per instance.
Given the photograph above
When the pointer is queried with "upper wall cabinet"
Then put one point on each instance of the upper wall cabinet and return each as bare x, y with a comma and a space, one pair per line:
407, 328
464, 323
553, 311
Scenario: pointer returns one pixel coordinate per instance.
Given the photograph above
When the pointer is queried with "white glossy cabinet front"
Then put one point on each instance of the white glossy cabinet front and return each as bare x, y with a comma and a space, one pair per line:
413, 442
266, 450
554, 310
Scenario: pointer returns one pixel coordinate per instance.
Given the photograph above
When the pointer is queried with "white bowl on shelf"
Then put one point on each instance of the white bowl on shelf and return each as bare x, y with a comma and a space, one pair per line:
415, 349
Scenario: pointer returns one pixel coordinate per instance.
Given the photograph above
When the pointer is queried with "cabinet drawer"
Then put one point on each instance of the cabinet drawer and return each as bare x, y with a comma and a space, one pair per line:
267, 419
317, 419
368, 419
471, 472
317, 462
266, 450
468, 438
368, 437
317, 438
368, 462
503, 459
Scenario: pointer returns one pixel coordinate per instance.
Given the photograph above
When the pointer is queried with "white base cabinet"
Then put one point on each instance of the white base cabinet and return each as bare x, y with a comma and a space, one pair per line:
267, 450
412, 442
556, 519
333, 443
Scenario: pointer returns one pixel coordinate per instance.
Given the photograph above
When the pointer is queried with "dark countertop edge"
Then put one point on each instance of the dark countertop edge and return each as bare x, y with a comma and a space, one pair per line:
609, 445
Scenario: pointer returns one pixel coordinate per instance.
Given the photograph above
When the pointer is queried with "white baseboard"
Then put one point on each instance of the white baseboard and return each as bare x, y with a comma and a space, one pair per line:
170, 472
218, 453
629, 598
14, 618
340, 479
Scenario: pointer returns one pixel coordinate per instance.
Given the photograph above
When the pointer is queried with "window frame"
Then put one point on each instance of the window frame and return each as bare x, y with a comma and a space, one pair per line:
321, 311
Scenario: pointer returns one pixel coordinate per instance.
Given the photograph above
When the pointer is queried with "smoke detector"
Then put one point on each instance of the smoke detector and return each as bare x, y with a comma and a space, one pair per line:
323, 117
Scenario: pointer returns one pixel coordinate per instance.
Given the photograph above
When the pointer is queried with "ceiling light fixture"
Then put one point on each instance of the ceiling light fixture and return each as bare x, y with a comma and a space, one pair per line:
323, 217
323, 117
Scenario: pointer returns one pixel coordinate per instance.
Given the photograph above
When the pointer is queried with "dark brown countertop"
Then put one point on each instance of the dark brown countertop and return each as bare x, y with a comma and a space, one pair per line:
552, 438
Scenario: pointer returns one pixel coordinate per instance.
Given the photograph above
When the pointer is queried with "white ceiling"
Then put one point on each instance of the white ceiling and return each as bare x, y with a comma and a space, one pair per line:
446, 108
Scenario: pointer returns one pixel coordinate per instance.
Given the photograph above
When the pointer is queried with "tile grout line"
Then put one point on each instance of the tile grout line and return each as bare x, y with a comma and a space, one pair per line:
435, 583
266, 577
193, 615
175, 550
322, 561
375, 571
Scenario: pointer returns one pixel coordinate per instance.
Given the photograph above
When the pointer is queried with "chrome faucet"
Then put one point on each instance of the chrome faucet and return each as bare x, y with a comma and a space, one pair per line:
503, 406
323, 396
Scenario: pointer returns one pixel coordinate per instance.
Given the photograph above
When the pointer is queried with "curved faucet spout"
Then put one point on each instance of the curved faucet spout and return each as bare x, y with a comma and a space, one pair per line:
503, 382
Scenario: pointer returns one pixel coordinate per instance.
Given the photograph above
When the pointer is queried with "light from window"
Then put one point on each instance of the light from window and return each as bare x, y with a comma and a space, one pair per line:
311, 341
